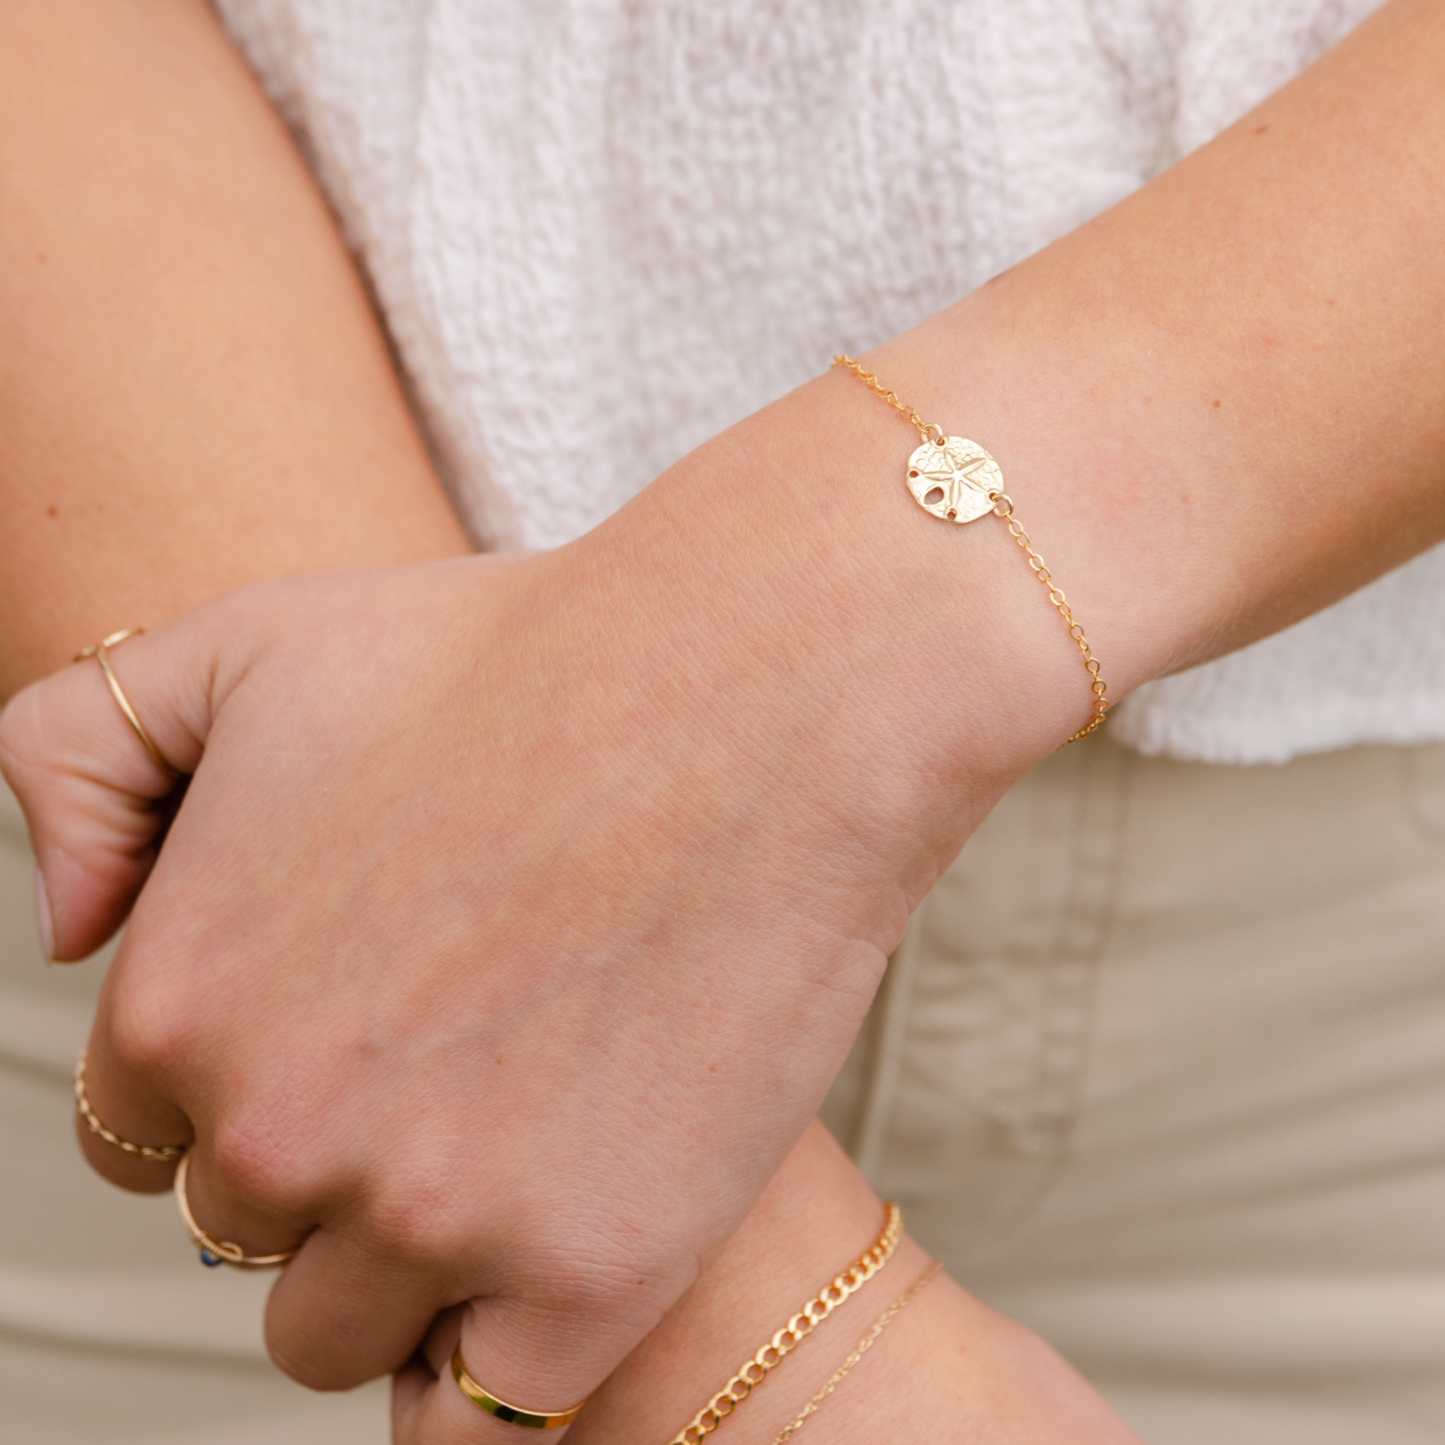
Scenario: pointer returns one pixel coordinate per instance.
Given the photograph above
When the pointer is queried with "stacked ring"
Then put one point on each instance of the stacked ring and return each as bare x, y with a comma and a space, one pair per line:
214, 1251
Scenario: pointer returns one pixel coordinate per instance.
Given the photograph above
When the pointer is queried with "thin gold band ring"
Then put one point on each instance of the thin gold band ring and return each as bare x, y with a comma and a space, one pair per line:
151, 1153
100, 651
220, 1251
512, 1414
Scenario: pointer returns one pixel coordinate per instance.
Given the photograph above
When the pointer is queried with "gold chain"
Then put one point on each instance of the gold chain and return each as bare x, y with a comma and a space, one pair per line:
1003, 509
859, 1350
754, 1371
891, 397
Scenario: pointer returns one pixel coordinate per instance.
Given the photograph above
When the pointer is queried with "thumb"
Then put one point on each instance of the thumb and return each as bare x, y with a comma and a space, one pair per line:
95, 801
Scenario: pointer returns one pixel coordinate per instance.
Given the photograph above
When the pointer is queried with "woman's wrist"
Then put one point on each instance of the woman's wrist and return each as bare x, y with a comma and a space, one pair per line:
895, 672
943, 1365
1218, 404
813, 1221
1167, 403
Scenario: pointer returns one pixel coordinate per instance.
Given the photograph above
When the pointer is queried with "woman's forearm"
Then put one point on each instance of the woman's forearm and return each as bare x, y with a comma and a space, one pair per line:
1221, 406
944, 1368
193, 391
1218, 408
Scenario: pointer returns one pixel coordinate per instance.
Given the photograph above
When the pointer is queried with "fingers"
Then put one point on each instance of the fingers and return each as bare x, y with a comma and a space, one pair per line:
525, 1357
544, 1327
108, 1118
88, 795
366, 1290
226, 1230
87, 785
341, 1315
126, 1084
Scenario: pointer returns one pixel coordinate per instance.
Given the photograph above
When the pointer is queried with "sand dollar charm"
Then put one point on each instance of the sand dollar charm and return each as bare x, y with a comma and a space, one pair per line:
951, 478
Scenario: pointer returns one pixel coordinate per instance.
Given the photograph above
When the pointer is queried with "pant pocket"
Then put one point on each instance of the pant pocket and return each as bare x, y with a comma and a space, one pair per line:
963, 1095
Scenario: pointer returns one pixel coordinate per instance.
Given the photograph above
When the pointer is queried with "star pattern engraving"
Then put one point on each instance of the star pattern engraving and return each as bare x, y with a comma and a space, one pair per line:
962, 475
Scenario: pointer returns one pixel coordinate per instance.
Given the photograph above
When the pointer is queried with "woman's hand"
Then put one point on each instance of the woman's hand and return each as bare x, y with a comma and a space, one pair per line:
514, 923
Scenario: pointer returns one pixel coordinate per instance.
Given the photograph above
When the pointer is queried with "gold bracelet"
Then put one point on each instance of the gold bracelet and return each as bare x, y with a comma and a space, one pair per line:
754, 1371
955, 480
859, 1350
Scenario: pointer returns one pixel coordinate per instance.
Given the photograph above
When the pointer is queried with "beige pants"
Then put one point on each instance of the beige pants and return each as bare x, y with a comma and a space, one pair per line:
1160, 1069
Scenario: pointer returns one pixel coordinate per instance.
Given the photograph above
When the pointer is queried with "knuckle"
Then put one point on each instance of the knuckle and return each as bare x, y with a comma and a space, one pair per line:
575, 1280
573, 1290
248, 598
262, 608
259, 1160
421, 1224
148, 1031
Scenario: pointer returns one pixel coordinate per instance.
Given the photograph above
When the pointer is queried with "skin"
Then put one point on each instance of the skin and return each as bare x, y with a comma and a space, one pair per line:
196, 396
728, 743
946, 1368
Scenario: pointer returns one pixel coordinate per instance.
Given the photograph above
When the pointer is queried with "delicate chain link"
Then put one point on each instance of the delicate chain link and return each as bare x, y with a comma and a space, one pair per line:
753, 1372
891, 397
1003, 509
859, 1350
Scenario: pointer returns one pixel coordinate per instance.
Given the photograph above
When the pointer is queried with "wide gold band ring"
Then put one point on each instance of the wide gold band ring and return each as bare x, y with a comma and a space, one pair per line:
215, 1251
151, 1153
512, 1414
100, 651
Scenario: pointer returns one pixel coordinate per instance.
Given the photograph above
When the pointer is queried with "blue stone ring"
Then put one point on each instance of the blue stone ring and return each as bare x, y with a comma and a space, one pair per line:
215, 1252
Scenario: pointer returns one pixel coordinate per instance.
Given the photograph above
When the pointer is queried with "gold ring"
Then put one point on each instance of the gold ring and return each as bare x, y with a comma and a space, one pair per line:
100, 651
512, 1414
220, 1251
155, 1153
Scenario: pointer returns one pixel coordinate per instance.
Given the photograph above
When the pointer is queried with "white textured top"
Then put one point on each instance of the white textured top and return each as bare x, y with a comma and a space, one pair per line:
603, 230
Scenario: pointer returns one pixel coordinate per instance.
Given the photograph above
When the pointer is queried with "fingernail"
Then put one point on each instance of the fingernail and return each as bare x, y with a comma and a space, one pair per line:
44, 922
